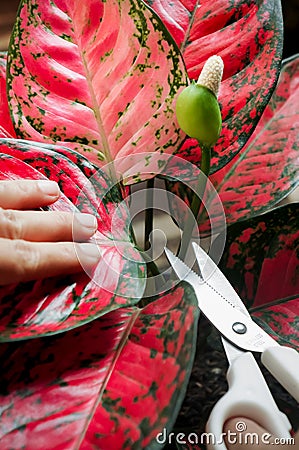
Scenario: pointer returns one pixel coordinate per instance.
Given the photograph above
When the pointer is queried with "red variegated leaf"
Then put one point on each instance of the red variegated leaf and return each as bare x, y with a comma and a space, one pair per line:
114, 383
248, 37
20, 148
281, 320
266, 170
51, 162
261, 256
103, 198
6, 125
99, 76
34, 153
58, 304
261, 260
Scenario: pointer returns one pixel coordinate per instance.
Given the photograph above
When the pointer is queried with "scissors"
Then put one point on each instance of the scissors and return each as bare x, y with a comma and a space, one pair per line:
248, 393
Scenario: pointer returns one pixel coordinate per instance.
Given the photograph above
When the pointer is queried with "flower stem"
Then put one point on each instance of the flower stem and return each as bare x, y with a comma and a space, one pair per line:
149, 213
151, 265
196, 200
148, 228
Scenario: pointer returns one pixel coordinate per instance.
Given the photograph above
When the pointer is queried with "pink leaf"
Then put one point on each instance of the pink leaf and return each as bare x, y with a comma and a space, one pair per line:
248, 37
266, 169
264, 172
114, 383
281, 321
261, 256
99, 76
6, 125
58, 304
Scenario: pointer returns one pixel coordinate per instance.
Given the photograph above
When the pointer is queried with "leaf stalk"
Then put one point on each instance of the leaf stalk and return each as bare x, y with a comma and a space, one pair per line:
196, 201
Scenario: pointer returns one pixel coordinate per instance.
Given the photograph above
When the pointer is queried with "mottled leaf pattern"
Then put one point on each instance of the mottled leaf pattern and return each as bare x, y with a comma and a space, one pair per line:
261, 256
112, 384
266, 169
99, 76
58, 304
29, 150
6, 125
281, 321
261, 260
54, 162
248, 37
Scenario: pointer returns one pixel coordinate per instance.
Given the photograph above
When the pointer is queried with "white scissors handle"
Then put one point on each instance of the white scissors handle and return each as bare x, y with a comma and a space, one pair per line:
248, 396
283, 363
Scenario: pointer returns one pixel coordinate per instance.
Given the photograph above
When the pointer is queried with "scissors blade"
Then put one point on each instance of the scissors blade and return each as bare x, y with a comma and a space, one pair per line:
212, 275
225, 313
210, 272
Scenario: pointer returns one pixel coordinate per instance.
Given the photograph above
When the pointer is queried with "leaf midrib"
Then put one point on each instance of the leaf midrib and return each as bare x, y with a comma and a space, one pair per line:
187, 34
135, 314
105, 148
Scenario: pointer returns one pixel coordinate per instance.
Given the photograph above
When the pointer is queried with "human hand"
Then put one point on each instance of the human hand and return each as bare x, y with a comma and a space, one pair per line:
261, 439
39, 244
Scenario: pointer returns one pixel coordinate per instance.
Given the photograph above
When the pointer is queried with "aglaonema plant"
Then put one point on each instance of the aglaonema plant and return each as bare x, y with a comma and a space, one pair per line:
88, 97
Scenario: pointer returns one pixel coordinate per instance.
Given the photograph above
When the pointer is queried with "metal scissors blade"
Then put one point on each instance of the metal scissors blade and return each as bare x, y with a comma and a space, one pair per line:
208, 270
248, 393
223, 307
224, 311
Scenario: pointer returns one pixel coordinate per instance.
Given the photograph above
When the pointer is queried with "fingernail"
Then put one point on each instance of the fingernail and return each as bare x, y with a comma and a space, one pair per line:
87, 221
89, 254
84, 226
49, 187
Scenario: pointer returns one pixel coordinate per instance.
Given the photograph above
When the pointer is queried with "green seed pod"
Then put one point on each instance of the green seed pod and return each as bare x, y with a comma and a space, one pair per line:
198, 114
197, 109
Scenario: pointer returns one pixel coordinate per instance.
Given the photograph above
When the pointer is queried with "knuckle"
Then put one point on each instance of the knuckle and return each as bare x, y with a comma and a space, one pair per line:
63, 222
25, 188
68, 251
26, 256
62, 218
10, 224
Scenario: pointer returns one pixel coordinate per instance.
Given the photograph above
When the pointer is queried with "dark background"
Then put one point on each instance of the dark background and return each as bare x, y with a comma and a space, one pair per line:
290, 9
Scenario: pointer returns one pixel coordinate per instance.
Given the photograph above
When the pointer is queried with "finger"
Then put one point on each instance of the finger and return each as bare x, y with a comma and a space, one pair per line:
46, 226
26, 194
25, 261
261, 438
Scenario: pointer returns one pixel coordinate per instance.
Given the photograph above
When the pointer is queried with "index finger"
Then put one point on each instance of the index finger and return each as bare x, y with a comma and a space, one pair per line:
22, 261
27, 194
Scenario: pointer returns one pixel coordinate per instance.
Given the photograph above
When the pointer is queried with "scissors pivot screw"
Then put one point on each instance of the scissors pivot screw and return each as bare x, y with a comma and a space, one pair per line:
239, 328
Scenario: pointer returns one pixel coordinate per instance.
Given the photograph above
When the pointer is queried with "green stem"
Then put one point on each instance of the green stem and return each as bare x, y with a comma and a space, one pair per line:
149, 219
149, 213
196, 201
148, 228
151, 265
